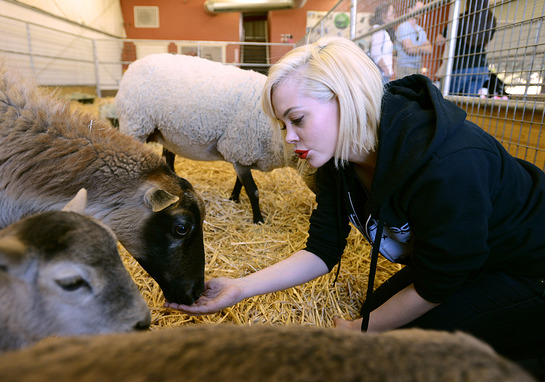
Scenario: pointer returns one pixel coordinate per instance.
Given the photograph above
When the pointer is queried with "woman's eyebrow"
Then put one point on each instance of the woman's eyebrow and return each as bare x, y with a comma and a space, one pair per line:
288, 110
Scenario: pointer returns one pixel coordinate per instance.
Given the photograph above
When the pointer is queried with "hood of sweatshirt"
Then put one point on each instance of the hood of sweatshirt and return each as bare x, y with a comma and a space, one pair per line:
415, 121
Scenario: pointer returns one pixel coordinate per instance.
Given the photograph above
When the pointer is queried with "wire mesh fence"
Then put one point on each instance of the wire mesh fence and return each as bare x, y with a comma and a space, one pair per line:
486, 56
57, 58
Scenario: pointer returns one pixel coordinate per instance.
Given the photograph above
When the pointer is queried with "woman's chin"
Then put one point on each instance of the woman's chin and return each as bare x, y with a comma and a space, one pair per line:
314, 162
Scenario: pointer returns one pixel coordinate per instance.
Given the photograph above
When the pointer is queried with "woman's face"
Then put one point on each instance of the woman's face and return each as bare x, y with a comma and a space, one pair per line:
312, 126
390, 15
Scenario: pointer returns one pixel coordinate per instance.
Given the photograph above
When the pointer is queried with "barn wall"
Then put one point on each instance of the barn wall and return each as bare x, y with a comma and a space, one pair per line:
87, 18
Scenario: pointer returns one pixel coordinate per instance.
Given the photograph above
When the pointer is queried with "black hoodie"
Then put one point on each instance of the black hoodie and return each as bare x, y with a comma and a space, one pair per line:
445, 187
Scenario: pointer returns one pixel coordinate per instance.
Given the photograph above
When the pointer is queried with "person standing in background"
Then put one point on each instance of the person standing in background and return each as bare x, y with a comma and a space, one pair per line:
382, 47
411, 43
476, 28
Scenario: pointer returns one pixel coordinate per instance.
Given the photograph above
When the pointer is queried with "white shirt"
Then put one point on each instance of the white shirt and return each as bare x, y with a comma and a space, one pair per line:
382, 49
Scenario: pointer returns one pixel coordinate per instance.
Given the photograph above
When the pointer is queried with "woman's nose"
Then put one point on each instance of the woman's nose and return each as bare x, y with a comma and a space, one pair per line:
291, 137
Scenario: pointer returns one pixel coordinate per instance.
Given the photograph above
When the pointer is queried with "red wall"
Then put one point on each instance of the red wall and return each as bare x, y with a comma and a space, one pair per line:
187, 20
182, 20
294, 21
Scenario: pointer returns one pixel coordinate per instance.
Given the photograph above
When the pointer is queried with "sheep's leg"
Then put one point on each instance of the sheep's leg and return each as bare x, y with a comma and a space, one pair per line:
169, 156
245, 178
235, 195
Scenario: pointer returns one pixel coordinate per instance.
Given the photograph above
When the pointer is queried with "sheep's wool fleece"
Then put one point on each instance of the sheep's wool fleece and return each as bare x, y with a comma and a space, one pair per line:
196, 102
260, 353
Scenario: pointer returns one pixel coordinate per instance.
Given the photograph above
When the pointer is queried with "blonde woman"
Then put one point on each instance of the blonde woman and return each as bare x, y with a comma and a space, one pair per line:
426, 187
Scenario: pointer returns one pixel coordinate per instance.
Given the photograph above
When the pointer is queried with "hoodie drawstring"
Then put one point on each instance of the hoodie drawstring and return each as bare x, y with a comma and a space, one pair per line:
366, 312
340, 181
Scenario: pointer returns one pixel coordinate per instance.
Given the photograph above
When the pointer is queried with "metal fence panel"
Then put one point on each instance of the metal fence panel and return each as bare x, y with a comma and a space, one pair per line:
57, 58
515, 56
514, 62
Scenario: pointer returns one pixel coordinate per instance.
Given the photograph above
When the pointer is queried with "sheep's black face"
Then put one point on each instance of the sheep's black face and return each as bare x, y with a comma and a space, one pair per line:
174, 254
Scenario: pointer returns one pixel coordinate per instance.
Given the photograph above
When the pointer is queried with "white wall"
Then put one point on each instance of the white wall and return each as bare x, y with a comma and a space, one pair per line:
56, 51
102, 15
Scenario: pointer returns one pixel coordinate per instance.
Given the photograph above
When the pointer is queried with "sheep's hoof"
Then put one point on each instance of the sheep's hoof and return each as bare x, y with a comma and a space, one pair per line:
258, 218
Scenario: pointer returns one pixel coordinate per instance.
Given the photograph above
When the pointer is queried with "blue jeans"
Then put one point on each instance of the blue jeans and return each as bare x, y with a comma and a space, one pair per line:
468, 81
506, 312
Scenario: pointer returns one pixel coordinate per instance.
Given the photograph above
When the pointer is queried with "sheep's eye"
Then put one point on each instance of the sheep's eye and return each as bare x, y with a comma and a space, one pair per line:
72, 283
181, 229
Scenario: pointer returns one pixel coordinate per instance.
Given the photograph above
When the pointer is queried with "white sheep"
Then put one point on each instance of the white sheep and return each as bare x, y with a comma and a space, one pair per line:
108, 112
263, 353
61, 275
203, 110
49, 152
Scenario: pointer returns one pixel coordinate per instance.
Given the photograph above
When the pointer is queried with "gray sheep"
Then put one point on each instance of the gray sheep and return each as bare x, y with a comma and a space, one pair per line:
61, 275
262, 353
203, 110
49, 152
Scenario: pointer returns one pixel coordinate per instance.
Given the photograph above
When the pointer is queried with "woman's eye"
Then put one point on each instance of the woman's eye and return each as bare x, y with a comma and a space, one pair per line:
297, 121
71, 284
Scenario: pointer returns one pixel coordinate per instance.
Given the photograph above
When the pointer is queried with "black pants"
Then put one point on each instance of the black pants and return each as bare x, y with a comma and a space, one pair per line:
506, 312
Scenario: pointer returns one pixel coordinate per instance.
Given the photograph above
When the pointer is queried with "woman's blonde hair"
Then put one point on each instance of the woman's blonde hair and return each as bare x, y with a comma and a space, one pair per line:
335, 68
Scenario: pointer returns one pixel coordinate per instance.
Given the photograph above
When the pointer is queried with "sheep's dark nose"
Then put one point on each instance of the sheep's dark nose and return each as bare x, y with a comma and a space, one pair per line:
184, 292
143, 324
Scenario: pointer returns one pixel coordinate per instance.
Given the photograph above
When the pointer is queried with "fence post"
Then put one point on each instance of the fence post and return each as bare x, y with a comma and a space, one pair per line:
97, 76
30, 55
452, 46
353, 18
322, 28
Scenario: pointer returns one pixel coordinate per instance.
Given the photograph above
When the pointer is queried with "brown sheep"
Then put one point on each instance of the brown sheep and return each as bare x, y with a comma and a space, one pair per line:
49, 152
262, 353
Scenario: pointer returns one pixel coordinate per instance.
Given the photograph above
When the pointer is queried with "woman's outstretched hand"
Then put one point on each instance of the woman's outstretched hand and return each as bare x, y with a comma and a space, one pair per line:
219, 293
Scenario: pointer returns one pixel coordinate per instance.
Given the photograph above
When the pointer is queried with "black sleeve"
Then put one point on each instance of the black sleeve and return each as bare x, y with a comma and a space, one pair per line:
328, 222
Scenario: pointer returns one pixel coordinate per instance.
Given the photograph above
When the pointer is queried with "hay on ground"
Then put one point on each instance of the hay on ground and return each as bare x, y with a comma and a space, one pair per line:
235, 247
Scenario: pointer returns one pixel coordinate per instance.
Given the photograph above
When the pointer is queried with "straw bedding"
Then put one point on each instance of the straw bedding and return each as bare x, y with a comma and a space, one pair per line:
235, 247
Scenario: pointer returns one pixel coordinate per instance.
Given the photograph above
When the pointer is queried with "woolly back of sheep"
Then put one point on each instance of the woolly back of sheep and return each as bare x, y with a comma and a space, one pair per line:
40, 130
263, 353
195, 102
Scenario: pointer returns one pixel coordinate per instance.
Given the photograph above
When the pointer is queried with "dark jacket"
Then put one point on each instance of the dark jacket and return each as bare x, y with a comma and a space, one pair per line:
460, 201
465, 54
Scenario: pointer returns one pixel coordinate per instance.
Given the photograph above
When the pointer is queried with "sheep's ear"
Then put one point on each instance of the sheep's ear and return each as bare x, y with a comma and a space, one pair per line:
12, 252
158, 199
78, 203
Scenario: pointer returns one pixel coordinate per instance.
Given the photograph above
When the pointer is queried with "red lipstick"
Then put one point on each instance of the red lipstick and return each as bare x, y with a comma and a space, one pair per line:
302, 154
